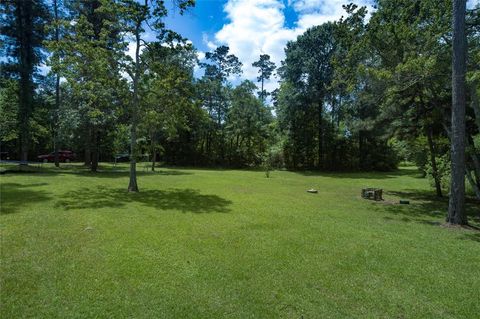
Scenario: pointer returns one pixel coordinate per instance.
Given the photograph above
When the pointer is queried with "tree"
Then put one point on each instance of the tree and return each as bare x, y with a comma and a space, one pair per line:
216, 90
91, 51
456, 203
247, 126
411, 43
8, 111
167, 92
266, 68
308, 67
22, 34
135, 16
57, 5
221, 64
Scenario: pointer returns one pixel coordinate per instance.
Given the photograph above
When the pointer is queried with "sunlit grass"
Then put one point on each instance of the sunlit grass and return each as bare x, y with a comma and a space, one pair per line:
199, 243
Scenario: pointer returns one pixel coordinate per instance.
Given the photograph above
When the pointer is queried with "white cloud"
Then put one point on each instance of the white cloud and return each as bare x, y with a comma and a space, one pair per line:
44, 69
131, 49
258, 27
472, 3
200, 55
197, 71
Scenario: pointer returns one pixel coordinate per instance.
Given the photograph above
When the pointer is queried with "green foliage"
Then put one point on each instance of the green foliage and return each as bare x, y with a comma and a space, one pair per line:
267, 164
121, 139
221, 64
330, 119
8, 110
21, 36
418, 153
355, 94
265, 70
443, 171
166, 93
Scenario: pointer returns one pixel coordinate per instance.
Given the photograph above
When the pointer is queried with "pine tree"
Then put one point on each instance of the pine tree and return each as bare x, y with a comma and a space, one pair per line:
456, 204
22, 33
265, 70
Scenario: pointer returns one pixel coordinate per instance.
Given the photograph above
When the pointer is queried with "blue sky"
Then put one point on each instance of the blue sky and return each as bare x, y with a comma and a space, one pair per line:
208, 17
253, 27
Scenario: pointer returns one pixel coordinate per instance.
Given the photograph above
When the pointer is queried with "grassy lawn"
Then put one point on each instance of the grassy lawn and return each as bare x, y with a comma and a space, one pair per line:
197, 243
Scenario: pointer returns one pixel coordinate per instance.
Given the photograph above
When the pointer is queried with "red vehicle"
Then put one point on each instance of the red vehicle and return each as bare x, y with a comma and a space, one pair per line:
63, 156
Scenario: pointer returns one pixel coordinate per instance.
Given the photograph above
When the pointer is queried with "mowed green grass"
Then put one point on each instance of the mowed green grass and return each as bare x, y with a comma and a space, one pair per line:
198, 243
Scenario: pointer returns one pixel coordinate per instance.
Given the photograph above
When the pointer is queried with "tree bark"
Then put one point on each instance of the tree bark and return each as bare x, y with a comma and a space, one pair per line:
475, 103
263, 94
26, 63
154, 153
132, 185
57, 91
475, 187
433, 162
88, 147
456, 204
154, 160
94, 150
320, 134
361, 146
55, 134
474, 156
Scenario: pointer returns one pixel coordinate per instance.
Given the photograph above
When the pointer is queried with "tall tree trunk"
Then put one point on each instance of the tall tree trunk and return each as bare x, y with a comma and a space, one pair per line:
456, 204
94, 150
474, 157
24, 19
474, 182
88, 147
57, 90
433, 162
263, 95
361, 146
55, 133
475, 103
154, 153
154, 160
334, 129
132, 185
320, 134
474, 185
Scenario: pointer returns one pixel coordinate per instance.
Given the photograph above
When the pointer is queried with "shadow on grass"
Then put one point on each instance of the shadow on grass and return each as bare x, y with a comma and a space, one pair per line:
424, 208
184, 200
405, 171
13, 196
471, 236
103, 172
123, 174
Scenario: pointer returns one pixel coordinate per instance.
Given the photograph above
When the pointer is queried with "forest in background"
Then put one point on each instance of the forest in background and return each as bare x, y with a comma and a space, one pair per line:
361, 93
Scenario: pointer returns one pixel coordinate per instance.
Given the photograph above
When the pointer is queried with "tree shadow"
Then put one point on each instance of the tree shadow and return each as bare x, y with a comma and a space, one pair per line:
412, 172
184, 200
13, 196
471, 236
85, 172
123, 173
424, 208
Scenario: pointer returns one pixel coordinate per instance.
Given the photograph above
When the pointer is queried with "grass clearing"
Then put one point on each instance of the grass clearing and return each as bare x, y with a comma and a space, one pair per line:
199, 243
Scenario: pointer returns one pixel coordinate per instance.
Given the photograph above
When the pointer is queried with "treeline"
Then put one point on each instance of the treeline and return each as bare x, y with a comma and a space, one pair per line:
361, 93
96, 99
